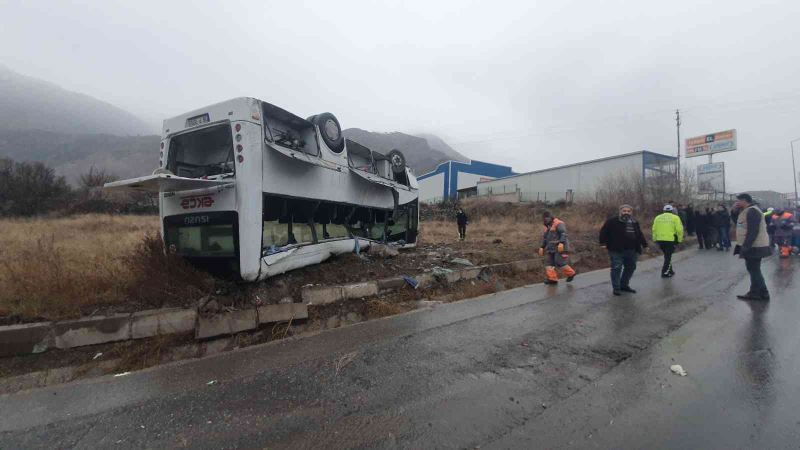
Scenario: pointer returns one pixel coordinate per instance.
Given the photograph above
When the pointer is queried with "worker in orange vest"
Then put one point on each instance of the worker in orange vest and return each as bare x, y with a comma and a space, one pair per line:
784, 224
555, 249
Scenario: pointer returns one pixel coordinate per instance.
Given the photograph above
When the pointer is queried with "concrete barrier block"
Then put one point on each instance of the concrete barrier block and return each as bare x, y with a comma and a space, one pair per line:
391, 284
452, 277
471, 274
360, 290
226, 323
162, 321
92, 330
426, 280
322, 295
25, 339
282, 313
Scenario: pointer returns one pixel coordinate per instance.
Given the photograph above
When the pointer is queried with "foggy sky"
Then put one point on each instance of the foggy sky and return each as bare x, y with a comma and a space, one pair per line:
527, 83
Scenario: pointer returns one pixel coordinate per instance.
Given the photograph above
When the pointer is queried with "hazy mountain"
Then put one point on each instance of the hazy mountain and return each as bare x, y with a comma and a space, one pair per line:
72, 132
437, 143
28, 103
73, 154
422, 153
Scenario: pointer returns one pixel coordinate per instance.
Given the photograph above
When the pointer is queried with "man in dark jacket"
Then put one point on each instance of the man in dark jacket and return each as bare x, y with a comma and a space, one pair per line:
723, 223
461, 219
752, 245
700, 223
711, 229
623, 239
690, 221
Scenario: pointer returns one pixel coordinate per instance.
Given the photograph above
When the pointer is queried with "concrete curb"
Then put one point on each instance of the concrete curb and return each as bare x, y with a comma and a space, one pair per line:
39, 337
331, 294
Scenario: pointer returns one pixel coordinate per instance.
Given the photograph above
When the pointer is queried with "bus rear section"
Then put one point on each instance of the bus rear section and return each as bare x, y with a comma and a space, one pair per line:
205, 225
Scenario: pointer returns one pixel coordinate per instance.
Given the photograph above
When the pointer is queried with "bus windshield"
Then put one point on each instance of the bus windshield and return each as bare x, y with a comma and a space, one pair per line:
202, 153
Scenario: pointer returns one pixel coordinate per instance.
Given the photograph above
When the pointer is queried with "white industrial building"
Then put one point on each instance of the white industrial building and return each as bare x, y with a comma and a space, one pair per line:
579, 181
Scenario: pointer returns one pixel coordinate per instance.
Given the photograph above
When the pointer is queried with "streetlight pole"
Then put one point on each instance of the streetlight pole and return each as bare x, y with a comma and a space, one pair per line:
794, 171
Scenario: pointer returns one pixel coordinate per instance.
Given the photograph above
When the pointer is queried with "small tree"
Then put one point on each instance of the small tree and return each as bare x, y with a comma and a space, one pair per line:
30, 188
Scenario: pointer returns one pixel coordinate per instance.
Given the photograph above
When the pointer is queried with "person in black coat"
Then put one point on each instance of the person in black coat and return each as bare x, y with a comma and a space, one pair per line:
690, 220
700, 223
723, 223
461, 220
624, 240
712, 224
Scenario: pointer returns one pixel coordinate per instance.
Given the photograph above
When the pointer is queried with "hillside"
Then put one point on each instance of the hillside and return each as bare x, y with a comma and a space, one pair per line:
28, 103
422, 153
73, 154
437, 143
71, 132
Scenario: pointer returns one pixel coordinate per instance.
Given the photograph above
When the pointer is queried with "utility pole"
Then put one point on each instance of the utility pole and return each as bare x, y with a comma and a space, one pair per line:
678, 126
794, 172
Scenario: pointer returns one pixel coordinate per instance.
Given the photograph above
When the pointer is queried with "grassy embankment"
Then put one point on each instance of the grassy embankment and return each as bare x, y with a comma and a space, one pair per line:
55, 268
67, 267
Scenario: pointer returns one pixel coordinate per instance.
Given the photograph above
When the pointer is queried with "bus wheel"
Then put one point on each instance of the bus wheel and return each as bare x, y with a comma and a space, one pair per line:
397, 160
330, 130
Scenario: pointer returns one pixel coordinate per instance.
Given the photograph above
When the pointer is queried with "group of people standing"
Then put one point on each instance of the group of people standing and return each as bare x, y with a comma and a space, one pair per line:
624, 240
711, 226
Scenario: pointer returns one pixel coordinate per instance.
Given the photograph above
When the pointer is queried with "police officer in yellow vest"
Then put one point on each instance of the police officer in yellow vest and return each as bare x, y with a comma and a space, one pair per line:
667, 233
752, 244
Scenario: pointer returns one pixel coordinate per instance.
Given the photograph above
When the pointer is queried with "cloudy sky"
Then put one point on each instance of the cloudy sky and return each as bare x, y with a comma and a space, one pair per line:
531, 84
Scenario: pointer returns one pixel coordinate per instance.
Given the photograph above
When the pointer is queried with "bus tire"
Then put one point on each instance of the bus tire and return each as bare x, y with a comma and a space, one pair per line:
330, 130
397, 161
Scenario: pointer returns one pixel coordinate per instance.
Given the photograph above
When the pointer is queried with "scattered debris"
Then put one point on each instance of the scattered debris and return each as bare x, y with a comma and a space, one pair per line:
343, 361
121, 374
333, 322
97, 356
484, 275
411, 281
384, 251
353, 317
211, 383
677, 369
440, 272
207, 304
462, 261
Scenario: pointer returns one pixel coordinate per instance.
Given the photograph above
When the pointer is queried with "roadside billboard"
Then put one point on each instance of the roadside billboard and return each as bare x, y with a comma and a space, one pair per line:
721, 141
711, 178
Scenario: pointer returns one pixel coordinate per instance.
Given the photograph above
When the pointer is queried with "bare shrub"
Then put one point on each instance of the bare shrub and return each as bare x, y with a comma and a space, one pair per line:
158, 277
66, 267
30, 188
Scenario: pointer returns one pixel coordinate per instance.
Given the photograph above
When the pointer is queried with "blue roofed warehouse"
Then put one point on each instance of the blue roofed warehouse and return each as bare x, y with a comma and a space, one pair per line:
452, 179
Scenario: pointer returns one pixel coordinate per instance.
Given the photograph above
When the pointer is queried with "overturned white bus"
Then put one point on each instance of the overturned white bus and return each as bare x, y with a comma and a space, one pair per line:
250, 189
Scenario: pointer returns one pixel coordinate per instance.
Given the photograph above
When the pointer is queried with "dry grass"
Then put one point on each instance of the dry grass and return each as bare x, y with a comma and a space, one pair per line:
381, 308
55, 268
581, 224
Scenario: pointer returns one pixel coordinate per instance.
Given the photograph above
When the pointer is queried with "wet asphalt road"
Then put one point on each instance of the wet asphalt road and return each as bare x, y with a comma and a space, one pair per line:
537, 367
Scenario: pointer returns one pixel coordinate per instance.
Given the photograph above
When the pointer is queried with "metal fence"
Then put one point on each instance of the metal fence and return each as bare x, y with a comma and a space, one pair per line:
515, 196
